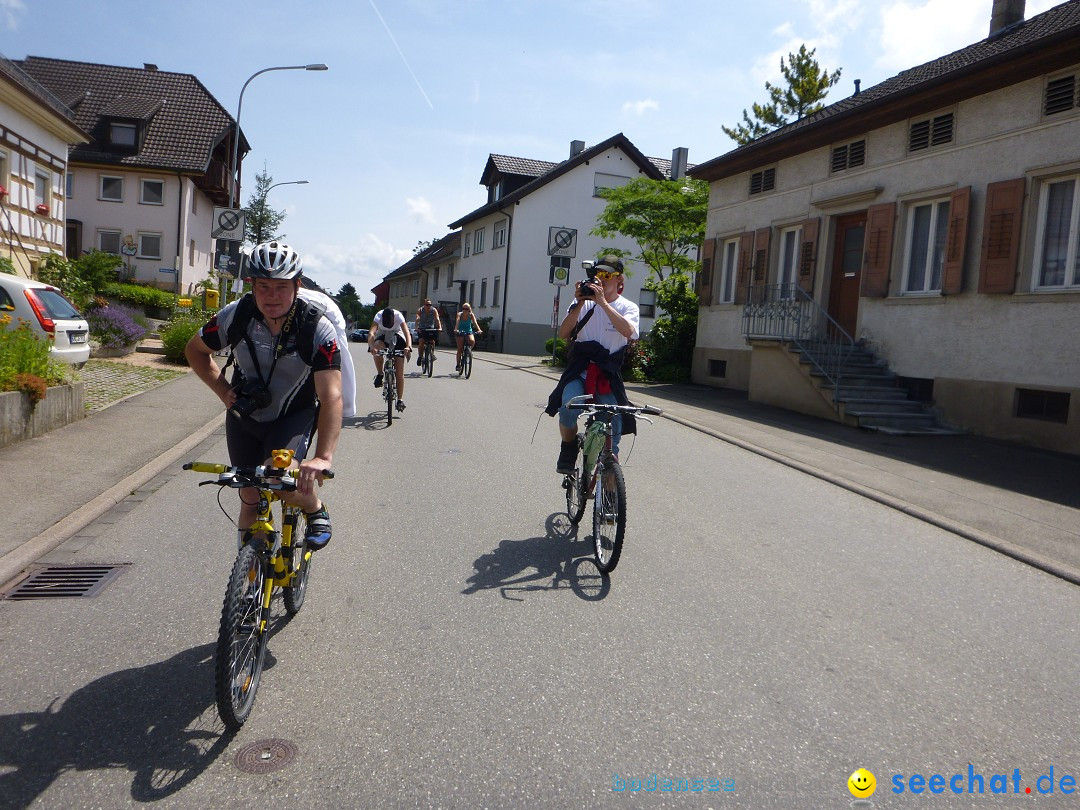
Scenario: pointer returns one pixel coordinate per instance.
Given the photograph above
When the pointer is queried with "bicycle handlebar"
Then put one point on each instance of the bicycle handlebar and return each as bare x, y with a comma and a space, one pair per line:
599, 406
262, 476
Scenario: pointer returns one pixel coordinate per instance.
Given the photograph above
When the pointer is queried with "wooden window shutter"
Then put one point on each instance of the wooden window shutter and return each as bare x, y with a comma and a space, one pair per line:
1001, 236
705, 274
761, 256
952, 281
877, 253
746, 256
808, 254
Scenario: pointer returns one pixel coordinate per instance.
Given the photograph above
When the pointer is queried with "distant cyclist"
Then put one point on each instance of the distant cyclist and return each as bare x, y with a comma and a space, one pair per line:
388, 329
428, 324
466, 328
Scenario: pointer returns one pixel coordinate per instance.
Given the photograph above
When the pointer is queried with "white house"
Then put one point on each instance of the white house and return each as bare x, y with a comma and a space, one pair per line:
36, 130
934, 219
505, 264
156, 164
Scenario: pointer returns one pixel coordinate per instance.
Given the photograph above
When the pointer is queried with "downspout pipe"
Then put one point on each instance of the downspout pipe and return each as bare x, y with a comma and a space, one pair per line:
506, 279
179, 224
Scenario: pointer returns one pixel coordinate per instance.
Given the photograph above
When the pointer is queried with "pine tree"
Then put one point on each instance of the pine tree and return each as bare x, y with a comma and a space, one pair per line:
806, 84
262, 220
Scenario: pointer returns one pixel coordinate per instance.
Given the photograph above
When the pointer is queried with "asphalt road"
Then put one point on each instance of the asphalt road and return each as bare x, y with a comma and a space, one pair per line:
765, 631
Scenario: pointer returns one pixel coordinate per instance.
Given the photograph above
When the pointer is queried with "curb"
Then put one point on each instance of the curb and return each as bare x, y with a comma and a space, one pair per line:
14, 562
1049, 566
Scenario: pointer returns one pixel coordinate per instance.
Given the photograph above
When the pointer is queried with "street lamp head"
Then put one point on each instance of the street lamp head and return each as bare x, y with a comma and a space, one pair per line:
319, 66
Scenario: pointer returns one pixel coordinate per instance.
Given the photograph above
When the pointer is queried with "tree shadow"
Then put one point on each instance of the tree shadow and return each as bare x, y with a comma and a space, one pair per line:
558, 560
158, 721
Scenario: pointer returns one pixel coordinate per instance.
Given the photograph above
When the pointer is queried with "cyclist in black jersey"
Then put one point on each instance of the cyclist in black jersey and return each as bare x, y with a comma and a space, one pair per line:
285, 388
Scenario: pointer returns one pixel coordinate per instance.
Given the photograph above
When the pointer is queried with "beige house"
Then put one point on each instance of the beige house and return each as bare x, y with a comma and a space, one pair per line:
428, 274
909, 257
36, 130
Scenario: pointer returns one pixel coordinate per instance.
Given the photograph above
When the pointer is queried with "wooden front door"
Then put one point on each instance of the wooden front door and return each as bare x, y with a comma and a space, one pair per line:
847, 270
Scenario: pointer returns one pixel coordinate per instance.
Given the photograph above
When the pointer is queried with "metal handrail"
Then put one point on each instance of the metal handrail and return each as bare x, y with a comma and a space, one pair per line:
788, 313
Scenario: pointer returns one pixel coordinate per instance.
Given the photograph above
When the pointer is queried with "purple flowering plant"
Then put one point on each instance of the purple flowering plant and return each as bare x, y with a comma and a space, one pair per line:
114, 327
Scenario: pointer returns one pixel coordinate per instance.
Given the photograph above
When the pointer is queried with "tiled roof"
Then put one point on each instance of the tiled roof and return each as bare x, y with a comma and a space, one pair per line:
444, 246
16, 75
185, 121
523, 166
1060, 23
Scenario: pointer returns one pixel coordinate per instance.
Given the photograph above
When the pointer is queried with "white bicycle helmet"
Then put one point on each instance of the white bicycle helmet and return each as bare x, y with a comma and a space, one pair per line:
274, 260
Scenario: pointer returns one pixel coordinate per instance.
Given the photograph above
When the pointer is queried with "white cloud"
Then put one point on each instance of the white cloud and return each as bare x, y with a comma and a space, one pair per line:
363, 263
10, 12
914, 32
639, 107
420, 210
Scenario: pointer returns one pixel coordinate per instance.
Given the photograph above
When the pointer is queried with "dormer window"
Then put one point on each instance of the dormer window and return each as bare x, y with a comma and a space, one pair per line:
122, 134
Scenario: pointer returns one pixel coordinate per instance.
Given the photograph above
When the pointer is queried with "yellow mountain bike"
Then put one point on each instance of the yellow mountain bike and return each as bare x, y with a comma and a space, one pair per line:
268, 560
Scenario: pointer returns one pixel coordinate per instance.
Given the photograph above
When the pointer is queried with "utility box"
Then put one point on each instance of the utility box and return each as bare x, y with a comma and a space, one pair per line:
213, 297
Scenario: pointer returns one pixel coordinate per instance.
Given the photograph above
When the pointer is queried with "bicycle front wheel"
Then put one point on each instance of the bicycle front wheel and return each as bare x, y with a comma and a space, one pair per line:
466, 363
388, 394
241, 645
429, 359
300, 564
609, 515
576, 496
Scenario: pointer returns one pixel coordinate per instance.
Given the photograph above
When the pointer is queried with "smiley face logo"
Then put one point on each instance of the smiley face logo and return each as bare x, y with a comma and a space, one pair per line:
862, 784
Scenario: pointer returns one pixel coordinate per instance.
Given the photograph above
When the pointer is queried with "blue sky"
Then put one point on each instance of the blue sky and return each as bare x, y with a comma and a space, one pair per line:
394, 137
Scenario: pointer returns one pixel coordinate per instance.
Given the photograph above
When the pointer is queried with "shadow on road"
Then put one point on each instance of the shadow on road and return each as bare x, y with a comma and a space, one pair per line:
558, 560
376, 420
157, 721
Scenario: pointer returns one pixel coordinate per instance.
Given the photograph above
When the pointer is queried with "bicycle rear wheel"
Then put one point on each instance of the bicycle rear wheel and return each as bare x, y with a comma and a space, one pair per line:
576, 497
300, 564
609, 514
429, 358
389, 389
466, 362
241, 645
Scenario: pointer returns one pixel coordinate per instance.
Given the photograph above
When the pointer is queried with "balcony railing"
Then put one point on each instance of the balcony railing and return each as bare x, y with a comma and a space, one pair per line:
785, 312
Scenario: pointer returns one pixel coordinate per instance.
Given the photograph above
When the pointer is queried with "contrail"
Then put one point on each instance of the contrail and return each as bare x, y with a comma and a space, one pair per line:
403, 59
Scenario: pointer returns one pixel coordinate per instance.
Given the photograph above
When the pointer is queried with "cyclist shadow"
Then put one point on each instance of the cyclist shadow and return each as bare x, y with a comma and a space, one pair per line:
557, 561
376, 420
158, 721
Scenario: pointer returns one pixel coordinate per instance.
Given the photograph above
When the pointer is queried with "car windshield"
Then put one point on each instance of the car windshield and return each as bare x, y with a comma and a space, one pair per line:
59, 307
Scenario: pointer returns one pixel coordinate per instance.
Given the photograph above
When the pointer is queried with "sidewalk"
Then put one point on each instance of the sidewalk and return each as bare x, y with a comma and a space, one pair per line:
1022, 502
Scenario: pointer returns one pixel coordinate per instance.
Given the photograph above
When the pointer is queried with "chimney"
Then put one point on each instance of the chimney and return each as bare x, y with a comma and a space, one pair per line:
1004, 14
150, 67
576, 148
678, 162
857, 90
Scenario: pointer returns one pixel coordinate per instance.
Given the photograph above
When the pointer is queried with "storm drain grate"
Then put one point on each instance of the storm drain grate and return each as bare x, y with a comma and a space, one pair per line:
265, 756
65, 582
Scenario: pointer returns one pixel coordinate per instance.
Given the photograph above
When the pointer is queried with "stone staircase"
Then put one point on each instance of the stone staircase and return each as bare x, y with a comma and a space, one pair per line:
869, 394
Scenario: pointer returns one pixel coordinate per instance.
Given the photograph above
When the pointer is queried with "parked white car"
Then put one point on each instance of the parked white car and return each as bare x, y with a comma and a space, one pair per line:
49, 314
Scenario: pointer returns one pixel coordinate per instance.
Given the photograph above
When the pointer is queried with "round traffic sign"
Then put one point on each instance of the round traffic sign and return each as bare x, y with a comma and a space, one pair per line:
228, 220
563, 239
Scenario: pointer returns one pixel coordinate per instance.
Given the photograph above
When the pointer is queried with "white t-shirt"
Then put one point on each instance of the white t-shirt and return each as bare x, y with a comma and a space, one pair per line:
602, 330
348, 372
382, 333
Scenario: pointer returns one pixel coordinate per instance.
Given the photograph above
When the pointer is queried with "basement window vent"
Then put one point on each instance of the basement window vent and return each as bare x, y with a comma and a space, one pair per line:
1060, 95
1048, 406
718, 368
65, 582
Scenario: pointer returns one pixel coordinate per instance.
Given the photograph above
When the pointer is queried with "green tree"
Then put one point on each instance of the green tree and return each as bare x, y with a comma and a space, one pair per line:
806, 83
422, 245
667, 220
262, 220
665, 217
349, 302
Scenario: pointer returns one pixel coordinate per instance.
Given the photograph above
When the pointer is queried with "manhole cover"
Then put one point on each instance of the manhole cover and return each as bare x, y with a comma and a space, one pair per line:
265, 756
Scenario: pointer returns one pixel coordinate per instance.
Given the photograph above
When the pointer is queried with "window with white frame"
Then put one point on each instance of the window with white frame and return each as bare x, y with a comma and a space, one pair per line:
478, 241
42, 190
729, 257
788, 269
602, 181
111, 188
153, 192
483, 292
109, 241
1057, 243
149, 245
498, 239
925, 239
69, 185
496, 288
465, 242
435, 279
416, 286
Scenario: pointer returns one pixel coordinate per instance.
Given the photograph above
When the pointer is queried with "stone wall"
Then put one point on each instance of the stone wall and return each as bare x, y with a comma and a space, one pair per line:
18, 421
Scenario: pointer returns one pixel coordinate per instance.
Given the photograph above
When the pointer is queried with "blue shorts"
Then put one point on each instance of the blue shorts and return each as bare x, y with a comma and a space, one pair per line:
568, 418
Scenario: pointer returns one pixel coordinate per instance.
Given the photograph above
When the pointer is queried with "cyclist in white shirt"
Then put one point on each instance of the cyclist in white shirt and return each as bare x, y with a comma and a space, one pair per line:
388, 329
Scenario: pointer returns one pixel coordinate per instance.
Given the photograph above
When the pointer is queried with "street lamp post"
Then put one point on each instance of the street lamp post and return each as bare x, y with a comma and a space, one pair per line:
236, 129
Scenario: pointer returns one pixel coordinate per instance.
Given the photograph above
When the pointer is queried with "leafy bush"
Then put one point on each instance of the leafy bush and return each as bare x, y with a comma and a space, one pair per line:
671, 341
61, 273
140, 296
23, 352
115, 327
561, 348
6, 266
176, 333
636, 362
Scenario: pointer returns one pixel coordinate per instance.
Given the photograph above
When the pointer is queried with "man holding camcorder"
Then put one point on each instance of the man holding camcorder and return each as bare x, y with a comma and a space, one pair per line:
599, 324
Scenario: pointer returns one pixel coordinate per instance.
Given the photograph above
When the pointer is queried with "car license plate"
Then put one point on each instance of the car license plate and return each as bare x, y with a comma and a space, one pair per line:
77, 337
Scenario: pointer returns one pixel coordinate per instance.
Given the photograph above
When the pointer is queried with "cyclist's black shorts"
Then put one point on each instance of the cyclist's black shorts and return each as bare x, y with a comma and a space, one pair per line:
251, 443
429, 334
399, 344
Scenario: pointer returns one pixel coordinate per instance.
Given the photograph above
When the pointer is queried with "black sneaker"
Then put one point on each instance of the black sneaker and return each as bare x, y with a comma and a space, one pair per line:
378, 380
419, 361
567, 458
318, 528
400, 406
